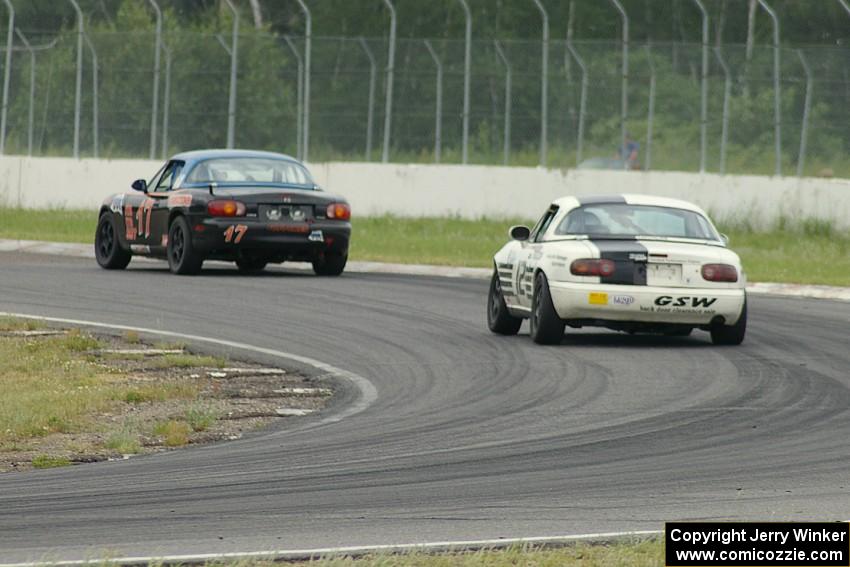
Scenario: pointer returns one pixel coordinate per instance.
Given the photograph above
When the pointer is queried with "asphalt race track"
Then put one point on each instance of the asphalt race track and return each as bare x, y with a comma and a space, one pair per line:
472, 435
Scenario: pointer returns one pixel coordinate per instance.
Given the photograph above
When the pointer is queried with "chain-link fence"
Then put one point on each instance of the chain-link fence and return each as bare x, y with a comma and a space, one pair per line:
347, 104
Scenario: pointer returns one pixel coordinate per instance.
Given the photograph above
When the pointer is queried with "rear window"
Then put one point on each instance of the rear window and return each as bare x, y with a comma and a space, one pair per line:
620, 219
249, 170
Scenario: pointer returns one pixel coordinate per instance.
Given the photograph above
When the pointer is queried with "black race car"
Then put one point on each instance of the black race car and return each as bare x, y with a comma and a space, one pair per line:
247, 207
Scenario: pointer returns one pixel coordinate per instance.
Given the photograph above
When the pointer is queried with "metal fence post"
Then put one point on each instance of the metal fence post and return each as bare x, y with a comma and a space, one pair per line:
651, 111
727, 91
155, 101
388, 113
370, 113
95, 110
31, 113
807, 105
438, 128
582, 100
703, 134
624, 103
166, 99
544, 85
308, 48
7, 75
299, 94
467, 71
79, 83
777, 98
508, 78
234, 70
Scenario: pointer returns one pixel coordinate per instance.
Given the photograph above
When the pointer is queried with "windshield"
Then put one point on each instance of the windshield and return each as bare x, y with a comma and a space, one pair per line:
623, 220
242, 170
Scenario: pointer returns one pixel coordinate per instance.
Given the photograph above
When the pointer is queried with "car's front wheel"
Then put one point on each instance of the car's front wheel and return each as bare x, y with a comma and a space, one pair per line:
731, 334
499, 319
107, 249
546, 327
330, 263
183, 259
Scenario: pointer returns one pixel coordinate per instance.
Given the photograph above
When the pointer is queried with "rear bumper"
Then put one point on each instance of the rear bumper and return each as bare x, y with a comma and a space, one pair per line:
646, 304
241, 236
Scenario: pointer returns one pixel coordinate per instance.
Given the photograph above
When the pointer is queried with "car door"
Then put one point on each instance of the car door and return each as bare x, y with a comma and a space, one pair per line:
156, 217
136, 207
529, 256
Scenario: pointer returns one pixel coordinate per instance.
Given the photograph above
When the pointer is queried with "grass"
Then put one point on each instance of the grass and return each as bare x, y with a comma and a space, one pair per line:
174, 432
48, 462
58, 384
806, 252
49, 388
648, 553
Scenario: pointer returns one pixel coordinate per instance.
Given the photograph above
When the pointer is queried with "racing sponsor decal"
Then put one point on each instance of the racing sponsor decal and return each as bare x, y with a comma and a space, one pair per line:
681, 304
234, 233
685, 301
629, 257
289, 228
622, 299
180, 200
117, 203
597, 298
316, 236
129, 229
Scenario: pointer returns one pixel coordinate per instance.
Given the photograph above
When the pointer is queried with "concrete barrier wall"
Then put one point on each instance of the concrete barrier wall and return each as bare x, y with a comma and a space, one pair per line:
465, 191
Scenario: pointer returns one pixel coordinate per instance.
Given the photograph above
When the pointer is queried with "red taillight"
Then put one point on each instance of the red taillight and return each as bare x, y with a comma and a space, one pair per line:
226, 208
339, 211
592, 267
719, 273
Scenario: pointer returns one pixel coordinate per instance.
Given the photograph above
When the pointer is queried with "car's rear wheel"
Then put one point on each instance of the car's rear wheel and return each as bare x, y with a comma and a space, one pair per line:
499, 319
107, 248
330, 263
183, 259
546, 327
251, 265
731, 334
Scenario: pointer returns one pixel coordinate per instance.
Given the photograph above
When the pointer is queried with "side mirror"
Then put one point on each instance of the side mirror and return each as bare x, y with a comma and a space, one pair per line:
520, 232
724, 238
140, 185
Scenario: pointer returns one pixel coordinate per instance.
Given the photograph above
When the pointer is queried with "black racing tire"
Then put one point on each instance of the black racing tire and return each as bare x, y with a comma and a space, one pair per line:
330, 263
731, 334
251, 265
183, 258
499, 319
107, 247
546, 327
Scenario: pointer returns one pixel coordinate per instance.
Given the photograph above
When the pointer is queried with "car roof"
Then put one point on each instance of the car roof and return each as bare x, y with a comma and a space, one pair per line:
572, 201
198, 155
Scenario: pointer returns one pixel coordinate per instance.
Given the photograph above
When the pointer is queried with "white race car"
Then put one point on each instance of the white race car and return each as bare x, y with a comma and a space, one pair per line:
631, 263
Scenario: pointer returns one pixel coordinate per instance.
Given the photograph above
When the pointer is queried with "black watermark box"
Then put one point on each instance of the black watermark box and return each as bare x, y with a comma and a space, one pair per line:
742, 544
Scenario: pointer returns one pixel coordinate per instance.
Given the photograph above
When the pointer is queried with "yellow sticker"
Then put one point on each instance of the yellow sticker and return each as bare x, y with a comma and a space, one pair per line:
597, 298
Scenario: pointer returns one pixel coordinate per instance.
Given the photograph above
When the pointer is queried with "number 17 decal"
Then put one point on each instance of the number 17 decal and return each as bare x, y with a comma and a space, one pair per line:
238, 230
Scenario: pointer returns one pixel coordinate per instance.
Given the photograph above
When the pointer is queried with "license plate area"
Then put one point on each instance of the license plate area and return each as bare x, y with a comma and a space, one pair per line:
663, 274
285, 213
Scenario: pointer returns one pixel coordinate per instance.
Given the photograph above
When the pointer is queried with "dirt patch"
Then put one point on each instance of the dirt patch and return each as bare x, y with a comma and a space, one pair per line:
150, 397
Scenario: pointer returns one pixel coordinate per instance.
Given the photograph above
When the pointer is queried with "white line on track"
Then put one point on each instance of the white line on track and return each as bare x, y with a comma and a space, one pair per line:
306, 554
368, 393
